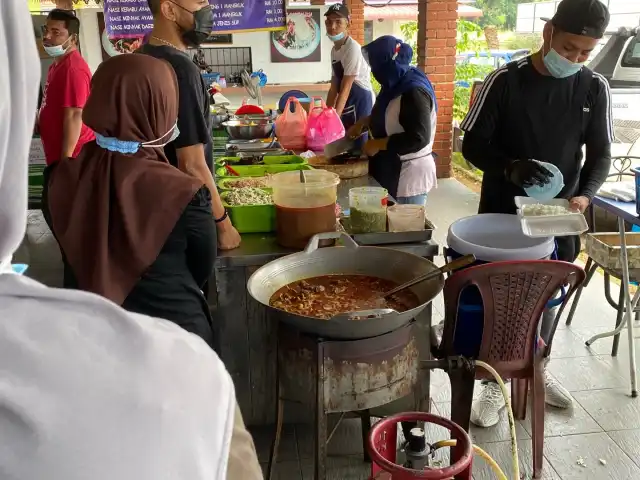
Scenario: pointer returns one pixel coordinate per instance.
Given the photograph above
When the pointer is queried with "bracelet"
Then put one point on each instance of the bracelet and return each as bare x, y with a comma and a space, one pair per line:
224, 216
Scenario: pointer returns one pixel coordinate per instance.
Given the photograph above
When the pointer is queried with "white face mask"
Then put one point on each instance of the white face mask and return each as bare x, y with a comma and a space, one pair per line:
57, 50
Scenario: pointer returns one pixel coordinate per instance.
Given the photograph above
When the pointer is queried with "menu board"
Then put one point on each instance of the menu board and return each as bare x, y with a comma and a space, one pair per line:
248, 15
127, 18
132, 18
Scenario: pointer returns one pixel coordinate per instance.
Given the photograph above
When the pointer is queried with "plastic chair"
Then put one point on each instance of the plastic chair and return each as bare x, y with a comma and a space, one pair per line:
514, 295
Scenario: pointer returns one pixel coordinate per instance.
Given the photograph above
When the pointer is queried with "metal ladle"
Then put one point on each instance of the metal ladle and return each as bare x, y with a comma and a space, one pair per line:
449, 267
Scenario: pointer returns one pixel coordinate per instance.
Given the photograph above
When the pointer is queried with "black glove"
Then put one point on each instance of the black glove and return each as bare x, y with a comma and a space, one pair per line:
526, 173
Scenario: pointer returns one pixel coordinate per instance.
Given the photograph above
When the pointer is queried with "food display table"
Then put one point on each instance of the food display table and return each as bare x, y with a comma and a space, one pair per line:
625, 212
246, 331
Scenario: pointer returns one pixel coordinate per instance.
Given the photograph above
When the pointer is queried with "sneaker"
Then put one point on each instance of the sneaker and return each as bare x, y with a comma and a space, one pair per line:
485, 411
555, 394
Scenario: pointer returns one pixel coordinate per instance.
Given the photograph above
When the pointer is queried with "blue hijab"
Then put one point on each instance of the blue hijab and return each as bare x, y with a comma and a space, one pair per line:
395, 75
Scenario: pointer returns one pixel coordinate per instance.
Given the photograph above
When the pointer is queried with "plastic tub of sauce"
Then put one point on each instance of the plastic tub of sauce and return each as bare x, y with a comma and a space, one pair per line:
304, 209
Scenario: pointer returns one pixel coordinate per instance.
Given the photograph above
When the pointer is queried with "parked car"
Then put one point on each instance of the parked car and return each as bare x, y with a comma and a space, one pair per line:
491, 59
619, 63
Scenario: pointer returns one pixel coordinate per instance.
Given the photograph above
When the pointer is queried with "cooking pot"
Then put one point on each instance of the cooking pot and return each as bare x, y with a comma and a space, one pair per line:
386, 263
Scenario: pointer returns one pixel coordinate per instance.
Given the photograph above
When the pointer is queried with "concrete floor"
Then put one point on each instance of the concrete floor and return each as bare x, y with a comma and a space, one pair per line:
603, 425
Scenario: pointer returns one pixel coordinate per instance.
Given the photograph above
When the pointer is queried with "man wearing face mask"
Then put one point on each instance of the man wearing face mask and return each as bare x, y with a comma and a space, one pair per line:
178, 25
68, 85
351, 93
545, 107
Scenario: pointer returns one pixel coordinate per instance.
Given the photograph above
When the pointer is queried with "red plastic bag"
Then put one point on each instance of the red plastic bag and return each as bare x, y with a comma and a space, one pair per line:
324, 125
291, 127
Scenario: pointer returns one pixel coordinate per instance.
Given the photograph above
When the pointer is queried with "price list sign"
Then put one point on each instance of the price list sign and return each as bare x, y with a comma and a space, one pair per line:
127, 18
232, 16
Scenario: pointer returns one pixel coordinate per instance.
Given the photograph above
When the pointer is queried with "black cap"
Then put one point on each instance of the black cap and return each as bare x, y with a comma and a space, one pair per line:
581, 17
339, 9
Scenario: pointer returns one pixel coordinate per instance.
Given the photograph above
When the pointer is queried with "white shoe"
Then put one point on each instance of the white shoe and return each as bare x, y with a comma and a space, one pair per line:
555, 394
485, 411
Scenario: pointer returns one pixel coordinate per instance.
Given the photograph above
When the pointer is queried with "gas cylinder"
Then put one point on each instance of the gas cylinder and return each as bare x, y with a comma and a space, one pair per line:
382, 447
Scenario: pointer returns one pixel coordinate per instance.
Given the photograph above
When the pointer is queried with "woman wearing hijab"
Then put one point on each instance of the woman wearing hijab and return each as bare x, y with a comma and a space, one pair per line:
87, 389
402, 123
133, 228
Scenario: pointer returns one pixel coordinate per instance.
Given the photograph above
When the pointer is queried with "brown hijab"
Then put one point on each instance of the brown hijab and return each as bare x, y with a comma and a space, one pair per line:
112, 212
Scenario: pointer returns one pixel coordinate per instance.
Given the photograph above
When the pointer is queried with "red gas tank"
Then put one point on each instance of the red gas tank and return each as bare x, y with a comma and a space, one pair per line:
382, 448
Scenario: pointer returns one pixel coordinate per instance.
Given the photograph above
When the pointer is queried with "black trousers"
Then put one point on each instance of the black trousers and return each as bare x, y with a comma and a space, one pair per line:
68, 278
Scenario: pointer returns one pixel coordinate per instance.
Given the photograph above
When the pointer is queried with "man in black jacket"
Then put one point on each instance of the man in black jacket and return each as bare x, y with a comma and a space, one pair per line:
546, 107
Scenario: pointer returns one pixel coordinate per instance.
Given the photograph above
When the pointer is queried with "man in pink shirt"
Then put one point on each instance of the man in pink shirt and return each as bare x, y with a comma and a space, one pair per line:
68, 85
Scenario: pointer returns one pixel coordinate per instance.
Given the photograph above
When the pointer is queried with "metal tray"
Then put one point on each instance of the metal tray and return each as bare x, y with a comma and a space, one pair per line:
389, 238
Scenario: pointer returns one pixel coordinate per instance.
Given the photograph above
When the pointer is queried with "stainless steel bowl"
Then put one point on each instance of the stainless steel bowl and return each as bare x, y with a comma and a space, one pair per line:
218, 119
248, 130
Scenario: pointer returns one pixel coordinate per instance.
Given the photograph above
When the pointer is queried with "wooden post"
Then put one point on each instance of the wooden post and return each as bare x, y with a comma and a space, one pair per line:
437, 29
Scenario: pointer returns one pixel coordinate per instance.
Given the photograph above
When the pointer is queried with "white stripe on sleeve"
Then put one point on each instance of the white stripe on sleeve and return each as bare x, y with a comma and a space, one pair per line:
608, 106
473, 114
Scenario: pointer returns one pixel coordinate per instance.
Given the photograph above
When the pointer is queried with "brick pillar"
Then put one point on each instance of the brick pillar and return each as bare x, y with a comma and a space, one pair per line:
437, 27
356, 7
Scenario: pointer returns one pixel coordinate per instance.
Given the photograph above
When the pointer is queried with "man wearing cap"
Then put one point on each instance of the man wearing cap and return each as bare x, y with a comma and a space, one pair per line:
544, 107
351, 92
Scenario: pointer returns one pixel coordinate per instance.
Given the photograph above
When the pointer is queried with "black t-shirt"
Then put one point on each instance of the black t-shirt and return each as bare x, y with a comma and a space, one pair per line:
556, 124
194, 115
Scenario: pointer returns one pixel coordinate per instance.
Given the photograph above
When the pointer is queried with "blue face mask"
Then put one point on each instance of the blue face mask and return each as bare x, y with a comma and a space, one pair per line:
56, 50
129, 147
336, 38
560, 67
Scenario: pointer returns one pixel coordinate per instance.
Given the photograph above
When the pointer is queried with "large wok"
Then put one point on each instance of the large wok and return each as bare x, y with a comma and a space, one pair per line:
351, 259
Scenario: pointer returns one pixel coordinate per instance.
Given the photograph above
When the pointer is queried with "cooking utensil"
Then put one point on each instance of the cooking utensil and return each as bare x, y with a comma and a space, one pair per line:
231, 171
218, 119
254, 129
351, 259
344, 145
302, 179
449, 267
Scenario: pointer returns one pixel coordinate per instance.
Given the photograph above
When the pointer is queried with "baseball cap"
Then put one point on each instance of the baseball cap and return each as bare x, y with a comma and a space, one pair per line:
339, 9
581, 17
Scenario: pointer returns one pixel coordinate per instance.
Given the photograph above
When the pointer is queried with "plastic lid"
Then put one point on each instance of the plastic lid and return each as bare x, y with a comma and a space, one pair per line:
549, 190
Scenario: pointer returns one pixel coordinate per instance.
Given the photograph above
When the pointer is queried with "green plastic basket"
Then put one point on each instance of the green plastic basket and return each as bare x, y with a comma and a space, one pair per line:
252, 218
266, 160
223, 184
261, 170
36, 175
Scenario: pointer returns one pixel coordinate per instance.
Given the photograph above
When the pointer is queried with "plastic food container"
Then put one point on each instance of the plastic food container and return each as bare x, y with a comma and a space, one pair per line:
304, 209
406, 218
251, 218
549, 190
368, 209
572, 223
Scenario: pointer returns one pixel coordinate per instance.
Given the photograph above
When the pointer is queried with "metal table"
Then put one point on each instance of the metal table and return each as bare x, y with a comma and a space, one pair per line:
625, 212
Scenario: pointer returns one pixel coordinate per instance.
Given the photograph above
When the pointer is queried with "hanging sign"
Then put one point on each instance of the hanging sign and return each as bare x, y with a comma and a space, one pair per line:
133, 19
127, 18
231, 16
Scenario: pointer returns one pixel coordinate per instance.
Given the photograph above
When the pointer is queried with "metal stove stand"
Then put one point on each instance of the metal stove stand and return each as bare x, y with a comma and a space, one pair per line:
346, 377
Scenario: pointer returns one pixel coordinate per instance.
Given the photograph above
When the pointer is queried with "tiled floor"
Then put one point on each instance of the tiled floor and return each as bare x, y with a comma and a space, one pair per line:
603, 428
